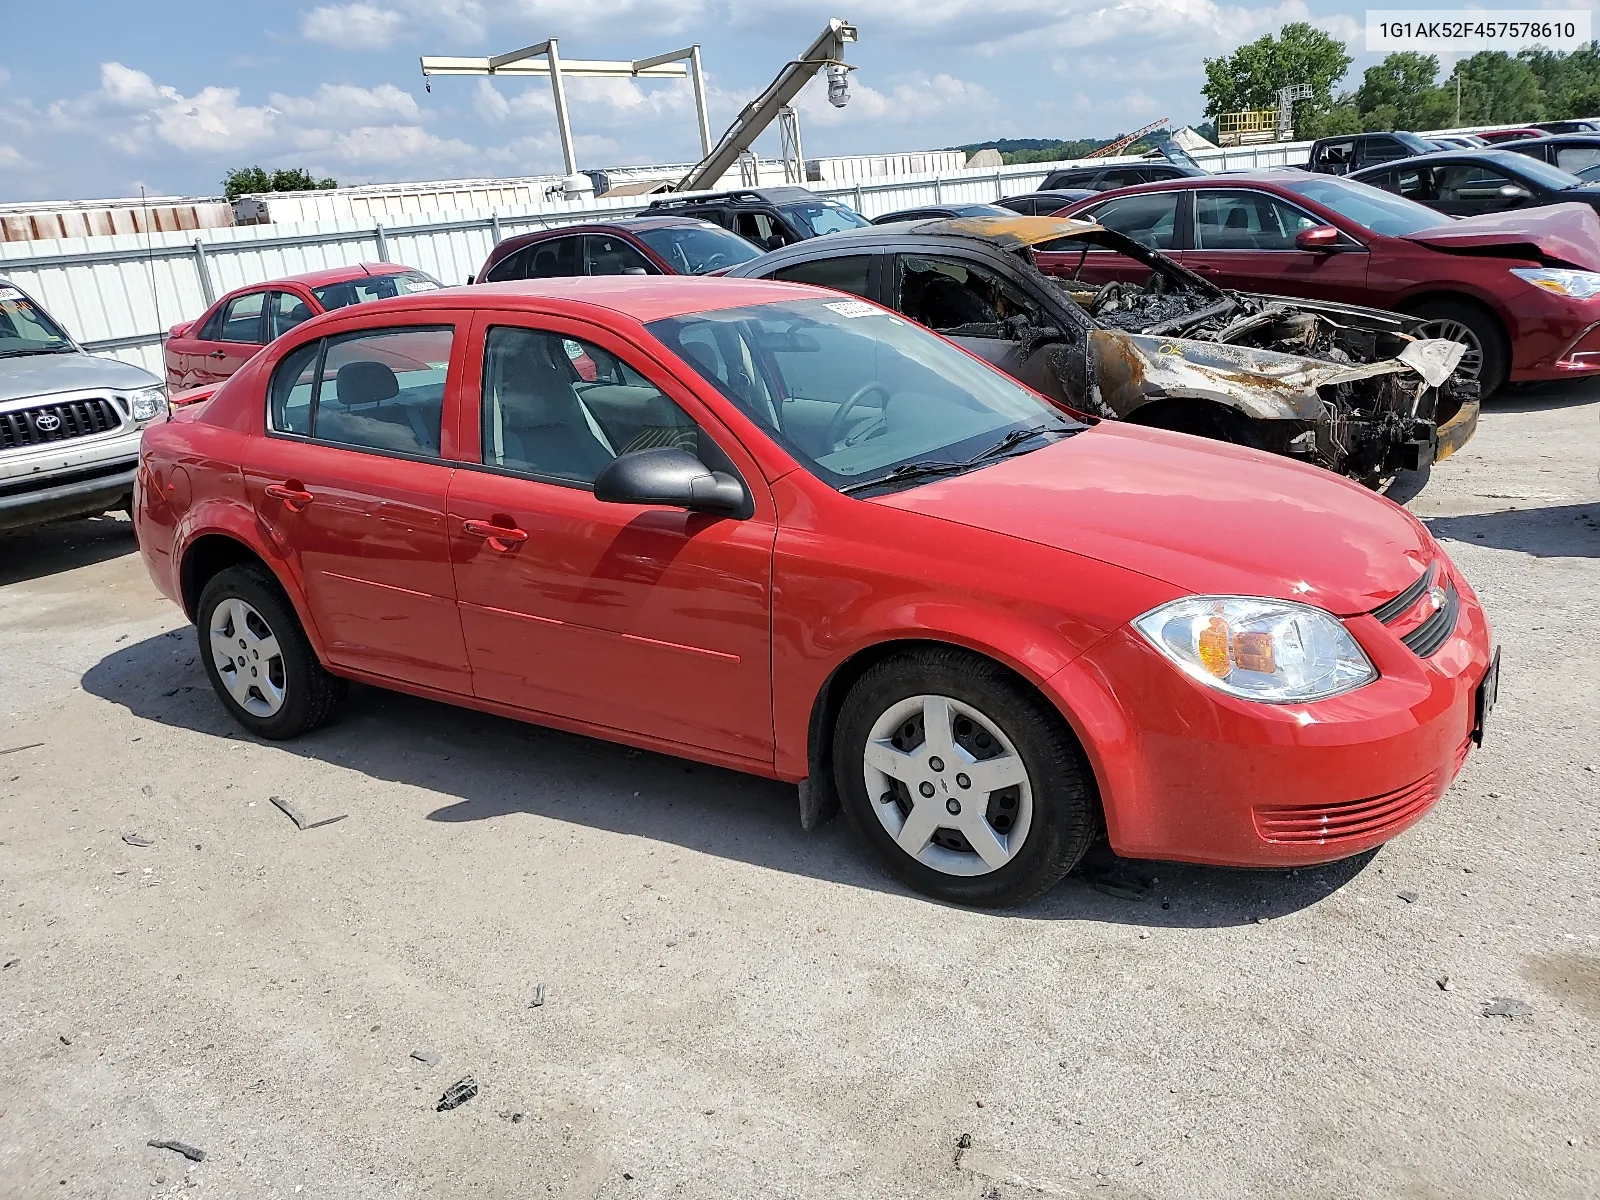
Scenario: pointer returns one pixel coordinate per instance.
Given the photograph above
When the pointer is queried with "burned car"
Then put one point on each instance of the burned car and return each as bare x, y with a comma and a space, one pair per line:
1121, 331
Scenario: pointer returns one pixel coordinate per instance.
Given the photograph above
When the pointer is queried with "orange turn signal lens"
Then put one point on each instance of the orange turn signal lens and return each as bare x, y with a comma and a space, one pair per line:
1213, 648
1253, 652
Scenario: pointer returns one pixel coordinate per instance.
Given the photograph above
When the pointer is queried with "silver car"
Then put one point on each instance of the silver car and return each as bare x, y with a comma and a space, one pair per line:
69, 421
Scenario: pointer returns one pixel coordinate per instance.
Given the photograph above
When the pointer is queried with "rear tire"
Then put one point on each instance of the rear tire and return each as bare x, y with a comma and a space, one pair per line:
258, 657
965, 783
1459, 321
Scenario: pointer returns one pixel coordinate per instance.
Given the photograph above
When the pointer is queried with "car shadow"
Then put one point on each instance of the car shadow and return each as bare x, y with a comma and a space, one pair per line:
63, 546
1557, 531
1543, 397
492, 767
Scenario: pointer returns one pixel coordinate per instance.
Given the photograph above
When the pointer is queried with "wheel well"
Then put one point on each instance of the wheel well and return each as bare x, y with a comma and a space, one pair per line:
825, 710
1411, 303
1180, 413
211, 554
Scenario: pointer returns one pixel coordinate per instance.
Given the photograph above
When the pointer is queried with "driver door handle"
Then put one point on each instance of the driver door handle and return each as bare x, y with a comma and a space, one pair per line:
499, 537
218, 354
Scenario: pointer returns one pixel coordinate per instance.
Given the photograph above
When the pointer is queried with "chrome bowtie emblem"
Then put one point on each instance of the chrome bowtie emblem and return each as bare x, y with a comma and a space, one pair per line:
47, 422
1436, 597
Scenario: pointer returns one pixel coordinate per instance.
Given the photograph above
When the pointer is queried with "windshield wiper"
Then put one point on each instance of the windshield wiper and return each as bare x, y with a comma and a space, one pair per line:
36, 350
931, 468
1015, 438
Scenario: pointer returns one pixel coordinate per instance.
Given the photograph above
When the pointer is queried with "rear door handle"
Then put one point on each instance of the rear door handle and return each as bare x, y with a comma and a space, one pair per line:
294, 499
499, 537
218, 354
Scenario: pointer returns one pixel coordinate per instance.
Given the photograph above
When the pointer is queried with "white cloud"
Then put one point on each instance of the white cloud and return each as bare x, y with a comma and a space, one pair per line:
397, 144
339, 102
353, 26
11, 157
913, 99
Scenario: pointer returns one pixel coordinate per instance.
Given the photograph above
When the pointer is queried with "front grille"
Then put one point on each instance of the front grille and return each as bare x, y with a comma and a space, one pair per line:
1432, 631
60, 422
1320, 823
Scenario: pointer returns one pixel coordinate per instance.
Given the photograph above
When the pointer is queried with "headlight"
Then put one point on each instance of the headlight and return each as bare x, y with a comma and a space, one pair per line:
1269, 650
1575, 285
148, 404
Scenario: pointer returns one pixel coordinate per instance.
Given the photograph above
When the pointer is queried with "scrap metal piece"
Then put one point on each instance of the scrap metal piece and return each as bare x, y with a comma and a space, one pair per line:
295, 815
538, 997
137, 839
457, 1094
18, 749
192, 1153
427, 1057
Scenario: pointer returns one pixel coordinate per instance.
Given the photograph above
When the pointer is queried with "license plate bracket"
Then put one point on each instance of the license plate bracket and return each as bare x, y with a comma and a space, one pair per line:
1488, 692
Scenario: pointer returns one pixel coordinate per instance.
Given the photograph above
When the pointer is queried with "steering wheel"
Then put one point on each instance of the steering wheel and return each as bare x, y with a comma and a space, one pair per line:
836, 426
1108, 292
712, 263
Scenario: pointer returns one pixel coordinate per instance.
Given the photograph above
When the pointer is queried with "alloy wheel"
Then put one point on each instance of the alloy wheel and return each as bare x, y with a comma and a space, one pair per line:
948, 785
248, 658
1471, 364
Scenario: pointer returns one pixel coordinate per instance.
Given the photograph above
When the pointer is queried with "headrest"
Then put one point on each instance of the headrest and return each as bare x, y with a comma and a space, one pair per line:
365, 382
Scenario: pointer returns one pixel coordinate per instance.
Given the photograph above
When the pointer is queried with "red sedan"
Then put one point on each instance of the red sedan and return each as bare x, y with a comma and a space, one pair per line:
1521, 289
789, 532
207, 350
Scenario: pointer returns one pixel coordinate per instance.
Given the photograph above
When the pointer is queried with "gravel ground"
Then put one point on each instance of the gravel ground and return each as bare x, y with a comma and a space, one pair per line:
735, 1008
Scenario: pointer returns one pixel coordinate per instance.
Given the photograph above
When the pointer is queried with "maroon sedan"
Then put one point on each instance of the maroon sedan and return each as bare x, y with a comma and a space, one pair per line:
227, 335
630, 246
1520, 289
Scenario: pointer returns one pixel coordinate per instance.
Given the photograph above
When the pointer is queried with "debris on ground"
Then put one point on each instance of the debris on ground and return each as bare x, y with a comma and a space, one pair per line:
1506, 1006
10, 962
538, 997
19, 749
192, 1153
1120, 890
427, 1058
137, 839
457, 1094
299, 819
64, 1039
506, 1114
963, 1144
1408, 897
1444, 983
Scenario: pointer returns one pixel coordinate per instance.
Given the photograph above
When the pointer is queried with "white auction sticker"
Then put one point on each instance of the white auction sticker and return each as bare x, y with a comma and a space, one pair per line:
10, 293
852, 308
1472, 30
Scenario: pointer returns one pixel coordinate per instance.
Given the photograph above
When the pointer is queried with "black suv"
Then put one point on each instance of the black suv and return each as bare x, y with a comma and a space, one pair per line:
769, 217
1114, 175
1341, 155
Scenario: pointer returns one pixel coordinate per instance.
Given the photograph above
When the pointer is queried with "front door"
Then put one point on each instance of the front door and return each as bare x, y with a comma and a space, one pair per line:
230, 343
351, 484
648, 620
1245, 240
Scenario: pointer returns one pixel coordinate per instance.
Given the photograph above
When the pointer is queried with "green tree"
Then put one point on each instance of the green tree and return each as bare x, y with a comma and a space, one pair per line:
1569, 82
1251, 76
243, 181
1496, 89
1327, 120
1401, 93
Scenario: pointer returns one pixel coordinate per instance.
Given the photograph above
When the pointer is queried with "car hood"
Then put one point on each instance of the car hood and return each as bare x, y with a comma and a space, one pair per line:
42, 374
1206, 517
1564, 234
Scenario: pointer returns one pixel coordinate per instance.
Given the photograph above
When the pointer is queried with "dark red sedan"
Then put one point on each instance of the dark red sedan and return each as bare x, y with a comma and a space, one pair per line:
222, 339
789, 532
630, 246
1520, 289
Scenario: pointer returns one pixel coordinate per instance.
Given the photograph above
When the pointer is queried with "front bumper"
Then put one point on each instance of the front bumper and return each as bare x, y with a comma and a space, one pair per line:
1457, 431
1193, 775
84, 491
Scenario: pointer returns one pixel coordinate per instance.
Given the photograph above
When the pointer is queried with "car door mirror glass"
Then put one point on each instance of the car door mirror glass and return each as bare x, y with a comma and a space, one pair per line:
670, 476
1514, 192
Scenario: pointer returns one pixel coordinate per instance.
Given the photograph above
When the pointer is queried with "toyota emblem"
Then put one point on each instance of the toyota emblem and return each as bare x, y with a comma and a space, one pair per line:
47, 422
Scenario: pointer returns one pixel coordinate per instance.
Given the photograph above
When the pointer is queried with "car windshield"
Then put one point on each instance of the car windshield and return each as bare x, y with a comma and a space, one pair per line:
374, 287
25, 328
823, 216
854, 392
1373, 208
696, 249
1545, 175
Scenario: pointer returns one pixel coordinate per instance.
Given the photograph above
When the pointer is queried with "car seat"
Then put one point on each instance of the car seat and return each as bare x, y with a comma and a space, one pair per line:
543, 428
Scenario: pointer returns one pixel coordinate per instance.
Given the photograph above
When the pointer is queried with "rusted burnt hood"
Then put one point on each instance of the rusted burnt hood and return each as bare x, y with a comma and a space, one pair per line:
1558, 234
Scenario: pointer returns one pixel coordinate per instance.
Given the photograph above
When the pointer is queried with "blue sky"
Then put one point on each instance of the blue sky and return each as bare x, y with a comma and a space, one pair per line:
168, 96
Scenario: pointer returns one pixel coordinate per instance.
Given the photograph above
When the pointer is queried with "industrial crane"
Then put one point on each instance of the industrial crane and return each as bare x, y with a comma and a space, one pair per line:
1122, 143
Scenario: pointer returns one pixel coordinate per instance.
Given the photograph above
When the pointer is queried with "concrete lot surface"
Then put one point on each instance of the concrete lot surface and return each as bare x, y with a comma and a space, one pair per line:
734, 1008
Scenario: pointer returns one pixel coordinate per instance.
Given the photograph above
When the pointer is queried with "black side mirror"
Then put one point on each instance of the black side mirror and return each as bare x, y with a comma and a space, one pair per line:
469, 280
667, 475
775, 242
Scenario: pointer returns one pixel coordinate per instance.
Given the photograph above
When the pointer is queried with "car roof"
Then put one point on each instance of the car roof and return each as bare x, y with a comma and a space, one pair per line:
638, 224
1008, 232
641, 298
1560, 139
772, 195
334, 275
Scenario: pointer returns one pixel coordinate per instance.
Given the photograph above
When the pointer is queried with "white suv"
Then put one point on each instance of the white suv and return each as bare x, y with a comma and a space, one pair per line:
69, 421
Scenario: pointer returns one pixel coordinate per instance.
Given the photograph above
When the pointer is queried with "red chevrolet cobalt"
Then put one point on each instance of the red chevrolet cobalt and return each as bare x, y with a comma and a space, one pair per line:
786, 531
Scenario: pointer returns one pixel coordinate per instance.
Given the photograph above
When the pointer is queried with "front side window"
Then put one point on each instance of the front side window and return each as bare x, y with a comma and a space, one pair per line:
612, 255
853, 392
961, 298
285, 310
1573, 159
374, 390
561, 409
699, 248
1120, 177
1464, 183
374, 287
25, 328
1150, 218
846, 273
1370, 207
761, 228
241, 319
1246, 221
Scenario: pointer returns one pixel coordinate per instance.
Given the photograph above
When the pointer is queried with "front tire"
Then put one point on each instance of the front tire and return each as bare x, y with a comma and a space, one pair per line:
259, 659
964, 782
1458, 321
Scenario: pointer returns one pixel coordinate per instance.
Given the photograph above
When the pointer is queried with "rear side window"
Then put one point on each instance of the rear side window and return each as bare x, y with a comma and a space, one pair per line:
554, 259
1151, 219
847, 273
374, 287
1383, 149
374, 390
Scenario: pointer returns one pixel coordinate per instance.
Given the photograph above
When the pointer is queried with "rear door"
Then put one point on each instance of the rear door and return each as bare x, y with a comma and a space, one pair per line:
231, 340
1245, 239
350, 483
843, 272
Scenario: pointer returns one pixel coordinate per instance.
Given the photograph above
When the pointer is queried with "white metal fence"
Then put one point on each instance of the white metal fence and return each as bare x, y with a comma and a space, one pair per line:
120, 294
